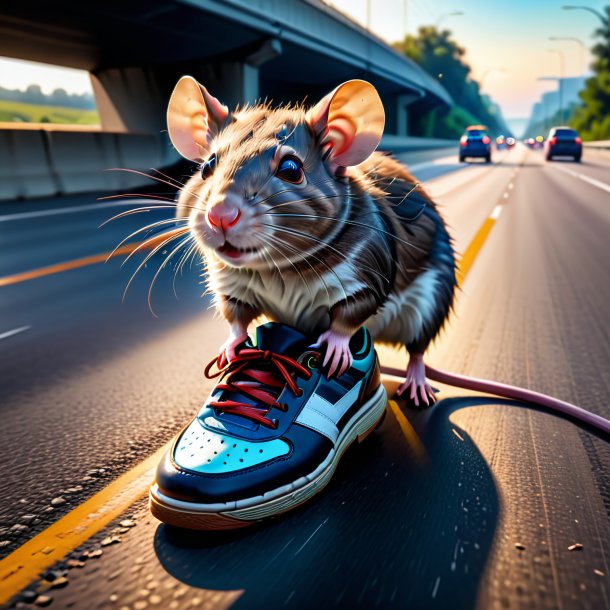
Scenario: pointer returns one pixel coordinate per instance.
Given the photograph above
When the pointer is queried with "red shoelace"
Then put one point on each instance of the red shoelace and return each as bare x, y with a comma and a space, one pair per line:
244, 374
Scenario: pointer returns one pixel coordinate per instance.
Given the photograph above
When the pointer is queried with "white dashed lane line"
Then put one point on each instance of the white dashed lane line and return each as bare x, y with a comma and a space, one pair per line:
598, 183
496, 212
15, 331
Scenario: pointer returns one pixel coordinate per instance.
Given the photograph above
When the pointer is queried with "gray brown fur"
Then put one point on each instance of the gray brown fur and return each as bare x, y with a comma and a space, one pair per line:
365, 248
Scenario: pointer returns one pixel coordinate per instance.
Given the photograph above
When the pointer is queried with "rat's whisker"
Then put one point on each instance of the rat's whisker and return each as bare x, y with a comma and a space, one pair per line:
269, 257
350, 222
325, 244
304, 200
172, 236
173, 180
290, 190
284, 243
137, 210
185, 256
150, 241
140, 195
269, 244
177, 248
310, 254
147, 227
161, 180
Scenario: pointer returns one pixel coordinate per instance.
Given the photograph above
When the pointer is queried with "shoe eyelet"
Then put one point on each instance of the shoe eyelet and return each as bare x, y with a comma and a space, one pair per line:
275, 423
312, 362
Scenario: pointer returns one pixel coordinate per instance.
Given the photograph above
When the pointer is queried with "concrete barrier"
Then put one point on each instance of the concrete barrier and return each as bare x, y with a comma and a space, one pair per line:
9, 186
38, 163
26, 170
137, 152
78, 160
42, 163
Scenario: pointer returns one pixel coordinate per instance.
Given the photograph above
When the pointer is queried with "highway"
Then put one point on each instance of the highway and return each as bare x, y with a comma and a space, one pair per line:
474, 503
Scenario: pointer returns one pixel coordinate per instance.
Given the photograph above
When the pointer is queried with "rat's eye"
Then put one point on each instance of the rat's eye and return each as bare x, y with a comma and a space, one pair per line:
208, 167
290, 169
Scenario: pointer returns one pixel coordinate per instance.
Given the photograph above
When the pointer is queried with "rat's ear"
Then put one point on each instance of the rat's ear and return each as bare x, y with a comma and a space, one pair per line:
194, 117
351, 119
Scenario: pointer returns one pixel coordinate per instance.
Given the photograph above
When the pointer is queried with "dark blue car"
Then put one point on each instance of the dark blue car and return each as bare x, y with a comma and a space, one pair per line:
475, 143
563, 142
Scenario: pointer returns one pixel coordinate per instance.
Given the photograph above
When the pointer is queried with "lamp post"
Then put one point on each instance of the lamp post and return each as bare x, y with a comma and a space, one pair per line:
580, 43
443, 17
572, 7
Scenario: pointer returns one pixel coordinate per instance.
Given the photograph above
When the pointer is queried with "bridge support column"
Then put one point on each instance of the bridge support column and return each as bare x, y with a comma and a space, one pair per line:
237, 81
396, 111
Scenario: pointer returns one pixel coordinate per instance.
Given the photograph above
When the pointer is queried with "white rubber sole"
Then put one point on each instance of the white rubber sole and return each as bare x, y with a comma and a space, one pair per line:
241, 513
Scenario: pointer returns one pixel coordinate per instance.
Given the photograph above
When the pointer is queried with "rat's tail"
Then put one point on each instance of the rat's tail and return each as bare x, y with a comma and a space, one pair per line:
514, 393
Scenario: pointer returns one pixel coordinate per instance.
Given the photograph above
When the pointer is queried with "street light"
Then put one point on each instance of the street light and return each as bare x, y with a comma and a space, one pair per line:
572, 7
561, 77
443, 17
580, 43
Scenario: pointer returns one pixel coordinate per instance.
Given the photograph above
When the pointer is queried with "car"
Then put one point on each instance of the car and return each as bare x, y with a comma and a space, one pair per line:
563, 142
475, 143
500, 143
510, 142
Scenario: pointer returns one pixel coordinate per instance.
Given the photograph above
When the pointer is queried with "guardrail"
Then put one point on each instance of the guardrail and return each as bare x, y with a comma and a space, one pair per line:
408, 143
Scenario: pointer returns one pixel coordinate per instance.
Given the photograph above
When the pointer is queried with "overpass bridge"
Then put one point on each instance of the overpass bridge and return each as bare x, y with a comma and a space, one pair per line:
242, 50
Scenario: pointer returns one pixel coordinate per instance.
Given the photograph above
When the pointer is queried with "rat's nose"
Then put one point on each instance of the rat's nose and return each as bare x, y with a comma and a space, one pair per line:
222, 217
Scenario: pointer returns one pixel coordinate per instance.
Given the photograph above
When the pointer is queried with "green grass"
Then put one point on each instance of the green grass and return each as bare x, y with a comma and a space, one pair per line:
19, 112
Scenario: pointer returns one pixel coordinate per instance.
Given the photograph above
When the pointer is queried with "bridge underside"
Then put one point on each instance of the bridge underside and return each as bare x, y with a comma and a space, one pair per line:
242, 51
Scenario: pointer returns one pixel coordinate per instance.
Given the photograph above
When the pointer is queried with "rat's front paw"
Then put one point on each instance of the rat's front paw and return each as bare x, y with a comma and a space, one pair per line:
337, 357
228, 349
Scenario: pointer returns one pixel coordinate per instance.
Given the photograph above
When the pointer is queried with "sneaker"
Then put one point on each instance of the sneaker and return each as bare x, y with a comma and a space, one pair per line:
271, 433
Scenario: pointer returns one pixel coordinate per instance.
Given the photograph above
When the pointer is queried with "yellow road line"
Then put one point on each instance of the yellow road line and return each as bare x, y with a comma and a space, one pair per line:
26, 563
472, 251
94, 259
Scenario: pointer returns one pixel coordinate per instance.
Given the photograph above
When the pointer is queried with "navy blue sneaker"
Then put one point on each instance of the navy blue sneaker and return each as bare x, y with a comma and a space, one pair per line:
271, 433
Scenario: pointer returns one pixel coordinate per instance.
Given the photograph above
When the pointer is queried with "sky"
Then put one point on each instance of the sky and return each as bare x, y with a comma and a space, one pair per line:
507, 44
18, 74
511, 35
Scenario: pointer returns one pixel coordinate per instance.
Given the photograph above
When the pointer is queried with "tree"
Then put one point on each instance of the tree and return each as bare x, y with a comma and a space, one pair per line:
60, 97
592, 117
442, 58
34, 95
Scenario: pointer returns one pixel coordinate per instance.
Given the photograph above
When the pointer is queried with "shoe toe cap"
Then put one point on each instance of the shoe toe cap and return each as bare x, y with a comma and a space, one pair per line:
204, 451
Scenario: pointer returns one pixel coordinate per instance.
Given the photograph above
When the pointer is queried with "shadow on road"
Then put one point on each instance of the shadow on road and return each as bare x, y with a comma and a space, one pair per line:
389, 531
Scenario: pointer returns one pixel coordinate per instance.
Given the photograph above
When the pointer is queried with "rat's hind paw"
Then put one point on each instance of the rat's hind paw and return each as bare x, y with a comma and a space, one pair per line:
418, 395
415, 388
337, 357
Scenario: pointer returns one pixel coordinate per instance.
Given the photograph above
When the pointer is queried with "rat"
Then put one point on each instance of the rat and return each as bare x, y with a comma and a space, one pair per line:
302, 220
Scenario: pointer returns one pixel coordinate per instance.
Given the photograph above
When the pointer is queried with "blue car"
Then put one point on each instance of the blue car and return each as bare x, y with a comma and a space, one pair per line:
563, 142
475, 143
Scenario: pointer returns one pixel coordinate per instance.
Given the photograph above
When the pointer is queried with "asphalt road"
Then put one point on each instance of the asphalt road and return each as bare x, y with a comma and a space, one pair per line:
476, 508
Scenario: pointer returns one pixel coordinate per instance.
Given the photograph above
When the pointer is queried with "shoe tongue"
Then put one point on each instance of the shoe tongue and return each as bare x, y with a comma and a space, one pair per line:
281, 339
